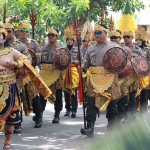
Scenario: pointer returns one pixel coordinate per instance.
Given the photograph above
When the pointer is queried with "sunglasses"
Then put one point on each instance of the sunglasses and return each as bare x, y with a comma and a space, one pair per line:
114, 37
24, 30
84, 40
9, 31
126, 37
51, 35
98, 33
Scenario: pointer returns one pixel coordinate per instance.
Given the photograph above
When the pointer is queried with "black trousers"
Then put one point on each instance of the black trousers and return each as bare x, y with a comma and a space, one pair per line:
58, 105
71, 102
91, 109
144, 100
112, 110
121, 104
132, 106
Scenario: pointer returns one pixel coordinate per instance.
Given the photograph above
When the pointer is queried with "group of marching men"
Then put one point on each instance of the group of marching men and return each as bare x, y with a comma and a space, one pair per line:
102, 89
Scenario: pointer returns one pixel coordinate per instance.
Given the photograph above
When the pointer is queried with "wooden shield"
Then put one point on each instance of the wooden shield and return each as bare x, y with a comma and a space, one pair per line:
61, 59
114, 60
126, 71
140, 65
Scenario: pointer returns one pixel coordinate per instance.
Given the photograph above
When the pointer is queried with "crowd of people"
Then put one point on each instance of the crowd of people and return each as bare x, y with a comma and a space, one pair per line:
103, 89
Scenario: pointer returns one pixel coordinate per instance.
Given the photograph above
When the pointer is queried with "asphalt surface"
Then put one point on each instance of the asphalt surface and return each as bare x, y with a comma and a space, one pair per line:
63, 136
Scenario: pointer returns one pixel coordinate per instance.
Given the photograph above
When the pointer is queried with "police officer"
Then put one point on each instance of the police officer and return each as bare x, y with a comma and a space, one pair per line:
23, 31
52, 76
98, 81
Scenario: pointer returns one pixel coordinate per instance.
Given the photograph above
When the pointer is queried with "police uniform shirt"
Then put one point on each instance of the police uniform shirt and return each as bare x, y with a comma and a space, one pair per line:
33, 45
95, 53
47, 53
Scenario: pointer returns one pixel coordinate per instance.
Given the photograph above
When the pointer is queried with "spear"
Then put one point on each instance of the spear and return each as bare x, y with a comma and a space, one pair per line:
77, 31
33, 22
4, 14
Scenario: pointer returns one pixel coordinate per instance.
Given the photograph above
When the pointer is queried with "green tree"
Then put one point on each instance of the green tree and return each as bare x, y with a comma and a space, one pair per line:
60, 13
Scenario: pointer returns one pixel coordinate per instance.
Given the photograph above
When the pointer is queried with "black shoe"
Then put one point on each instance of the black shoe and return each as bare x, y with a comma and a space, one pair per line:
56, 117
55, 120
67, 113
73, 115
17, 130
38, 123
89, 131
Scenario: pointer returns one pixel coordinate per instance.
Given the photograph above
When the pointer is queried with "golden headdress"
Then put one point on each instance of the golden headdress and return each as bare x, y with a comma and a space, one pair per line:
2, 29
140, 33
70, 33
115, 33
148, 39
130, 33
87, 31
99, 28
24, 26
53, 31
8, 25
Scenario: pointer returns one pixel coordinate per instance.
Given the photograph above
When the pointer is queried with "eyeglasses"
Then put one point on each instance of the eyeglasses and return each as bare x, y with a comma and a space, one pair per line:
114, 37
24, 30
84, 40
98, 33
126, 37
9, 31
51, 35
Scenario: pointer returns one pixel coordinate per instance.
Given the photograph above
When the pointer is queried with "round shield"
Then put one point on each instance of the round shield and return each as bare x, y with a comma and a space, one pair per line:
61, 59
34, 58
114, 60
140, 65
126, 71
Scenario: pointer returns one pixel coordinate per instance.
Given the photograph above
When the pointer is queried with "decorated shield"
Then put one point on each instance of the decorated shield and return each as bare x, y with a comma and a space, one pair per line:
114, 60
126, 71
140, 65
61, 59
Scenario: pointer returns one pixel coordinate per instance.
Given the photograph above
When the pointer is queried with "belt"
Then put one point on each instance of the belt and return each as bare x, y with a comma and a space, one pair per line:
7, 78
49, 67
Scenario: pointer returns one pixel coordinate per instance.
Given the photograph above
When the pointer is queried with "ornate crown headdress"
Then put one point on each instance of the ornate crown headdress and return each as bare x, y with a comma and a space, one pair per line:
70, 33
87, 31
2, 29
141, 33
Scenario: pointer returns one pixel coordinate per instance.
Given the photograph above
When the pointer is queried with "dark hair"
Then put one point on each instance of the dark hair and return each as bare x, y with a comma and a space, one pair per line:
103, 25
69, 38
119, 31
143, 44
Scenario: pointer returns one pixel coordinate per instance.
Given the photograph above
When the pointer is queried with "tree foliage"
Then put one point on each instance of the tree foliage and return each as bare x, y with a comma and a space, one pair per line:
60, 13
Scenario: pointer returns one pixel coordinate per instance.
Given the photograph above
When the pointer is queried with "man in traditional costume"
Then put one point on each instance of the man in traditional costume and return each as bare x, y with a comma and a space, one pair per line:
51, 75
102, 86
11, 59
71, 75
16, 44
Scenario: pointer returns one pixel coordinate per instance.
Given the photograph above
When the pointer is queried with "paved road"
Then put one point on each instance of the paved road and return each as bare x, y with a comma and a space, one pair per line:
63, 136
